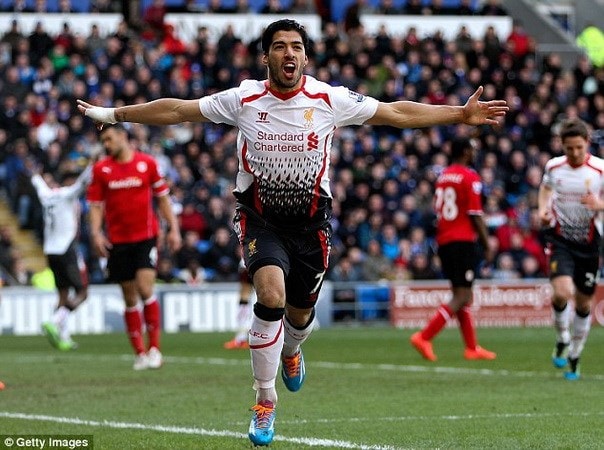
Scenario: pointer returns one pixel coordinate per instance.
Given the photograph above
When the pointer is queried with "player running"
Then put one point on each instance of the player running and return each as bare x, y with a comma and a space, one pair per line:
570, 197
286, 125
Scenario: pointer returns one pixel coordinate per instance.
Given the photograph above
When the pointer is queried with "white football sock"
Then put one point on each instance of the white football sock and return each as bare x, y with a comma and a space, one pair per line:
60, 316
294, 337
581, 327
562, 324
266, 343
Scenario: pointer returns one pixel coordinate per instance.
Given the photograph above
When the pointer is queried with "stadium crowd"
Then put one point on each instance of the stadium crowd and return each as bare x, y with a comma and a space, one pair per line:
382, 178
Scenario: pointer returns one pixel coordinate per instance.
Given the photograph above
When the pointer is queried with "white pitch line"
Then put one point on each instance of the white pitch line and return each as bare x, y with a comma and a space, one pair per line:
447, 417
24, 359
313, 442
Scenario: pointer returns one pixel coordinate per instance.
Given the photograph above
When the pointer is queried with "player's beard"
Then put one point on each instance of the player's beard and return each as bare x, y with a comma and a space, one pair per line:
278, 81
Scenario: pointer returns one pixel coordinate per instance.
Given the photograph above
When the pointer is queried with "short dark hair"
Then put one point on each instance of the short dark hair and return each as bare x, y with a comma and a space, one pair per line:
116, 126
283, 25
459, 146
574, 128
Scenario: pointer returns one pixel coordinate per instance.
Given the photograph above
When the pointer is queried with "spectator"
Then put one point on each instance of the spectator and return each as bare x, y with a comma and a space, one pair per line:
420, 267
19, 271
388, 7
191, 219
190, 249
153, 18
166, 272
192, 273
376, 266
505, 269
40, 43
530, 268
273, 7
493, 8
18, 90
65, 7
518, 41
13, 35
217, 215
414, 7
222, 256
6, 246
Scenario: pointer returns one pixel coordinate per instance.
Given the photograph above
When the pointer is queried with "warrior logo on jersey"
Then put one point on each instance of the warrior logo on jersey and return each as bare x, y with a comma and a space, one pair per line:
263, 117
308, 120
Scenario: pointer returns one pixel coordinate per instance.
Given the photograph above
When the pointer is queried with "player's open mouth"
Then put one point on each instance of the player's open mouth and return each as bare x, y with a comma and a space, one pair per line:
289, 69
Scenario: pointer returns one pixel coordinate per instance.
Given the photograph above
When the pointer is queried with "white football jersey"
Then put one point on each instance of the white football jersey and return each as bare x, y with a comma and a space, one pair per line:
284, 142
61, 212
573, 221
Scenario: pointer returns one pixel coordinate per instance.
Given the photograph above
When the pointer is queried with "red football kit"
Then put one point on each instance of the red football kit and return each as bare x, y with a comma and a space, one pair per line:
127, 189
457, 197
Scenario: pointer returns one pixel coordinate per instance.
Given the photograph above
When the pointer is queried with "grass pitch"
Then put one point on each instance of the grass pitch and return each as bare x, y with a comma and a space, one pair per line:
365, 388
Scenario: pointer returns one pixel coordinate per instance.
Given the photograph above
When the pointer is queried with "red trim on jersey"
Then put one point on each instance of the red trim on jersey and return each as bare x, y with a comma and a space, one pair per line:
242, 226
324, 248
257, 202
574, 166
251, 98
286, 95
562, 163
592, 230
591, 166
268, 344
246, 165
317, 190
320, 95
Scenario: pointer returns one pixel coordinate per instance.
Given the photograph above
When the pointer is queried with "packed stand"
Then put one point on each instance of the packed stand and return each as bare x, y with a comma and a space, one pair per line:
382, 178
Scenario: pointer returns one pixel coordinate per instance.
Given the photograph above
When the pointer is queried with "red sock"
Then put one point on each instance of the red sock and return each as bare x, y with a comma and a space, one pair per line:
152, 321
466, 324
438, 321
132, 317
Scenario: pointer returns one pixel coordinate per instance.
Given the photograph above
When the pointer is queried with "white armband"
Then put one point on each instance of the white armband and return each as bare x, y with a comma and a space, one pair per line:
104, 115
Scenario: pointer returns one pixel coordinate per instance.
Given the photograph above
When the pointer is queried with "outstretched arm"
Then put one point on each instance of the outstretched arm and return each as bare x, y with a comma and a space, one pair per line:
164, 111
407, 114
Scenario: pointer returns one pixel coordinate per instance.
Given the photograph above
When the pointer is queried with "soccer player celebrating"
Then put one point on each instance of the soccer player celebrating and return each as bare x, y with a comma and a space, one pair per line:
61, 213
121, 192
286, 125
459, 224
569, 197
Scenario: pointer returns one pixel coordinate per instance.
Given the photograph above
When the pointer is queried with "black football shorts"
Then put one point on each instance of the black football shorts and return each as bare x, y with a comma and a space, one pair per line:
126, 259
303, 256
582, 267
69, 269
459, 261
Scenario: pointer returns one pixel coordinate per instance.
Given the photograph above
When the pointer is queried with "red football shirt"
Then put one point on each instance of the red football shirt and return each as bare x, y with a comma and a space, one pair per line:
127, 190
457, 197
